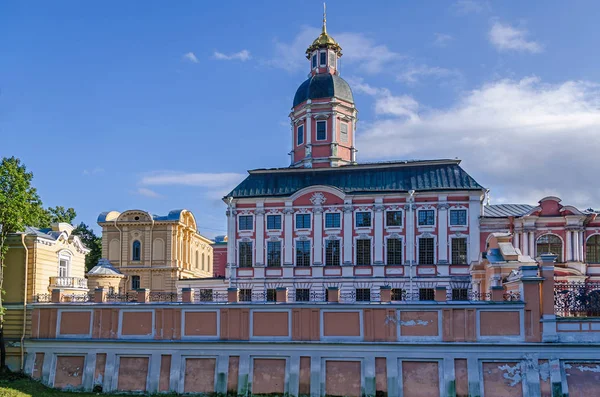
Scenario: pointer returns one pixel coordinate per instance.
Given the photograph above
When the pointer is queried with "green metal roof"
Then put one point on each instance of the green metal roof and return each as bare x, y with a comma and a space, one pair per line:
359, 178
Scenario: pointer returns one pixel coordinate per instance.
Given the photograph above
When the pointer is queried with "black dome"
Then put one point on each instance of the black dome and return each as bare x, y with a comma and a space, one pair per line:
323, 85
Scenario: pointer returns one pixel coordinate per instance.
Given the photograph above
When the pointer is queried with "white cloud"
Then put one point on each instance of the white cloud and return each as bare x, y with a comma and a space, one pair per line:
191, 57
208, 180
442, 39
93, 171
147, 192
524, 139
243, 55
508, 38
413, 74
464, 7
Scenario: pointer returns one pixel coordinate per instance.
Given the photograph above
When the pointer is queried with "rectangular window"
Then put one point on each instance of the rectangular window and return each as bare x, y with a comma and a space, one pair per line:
332, 252
344, 132
302, 295
426, 247
459, 251
323, 60
363, 295
135, 282
321, 130
245, 254
63, 268
314, 61
394, 251
363, 219
363, 252
398, 294
205, 295
245, 295
426, 294
393, 218
271, 295
460, 294
302, 253
458, 217
300, 135
273, 222
274, 253
245, 222
302, 221
426, 217
332, 220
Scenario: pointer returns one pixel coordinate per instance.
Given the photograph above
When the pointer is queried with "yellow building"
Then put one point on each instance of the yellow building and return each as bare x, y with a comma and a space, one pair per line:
155, 251
38, 261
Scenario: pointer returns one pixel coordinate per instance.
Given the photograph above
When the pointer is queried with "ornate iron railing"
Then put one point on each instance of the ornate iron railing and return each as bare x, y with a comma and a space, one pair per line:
577, 299
124, 297
209, 296
512, 296
160, 296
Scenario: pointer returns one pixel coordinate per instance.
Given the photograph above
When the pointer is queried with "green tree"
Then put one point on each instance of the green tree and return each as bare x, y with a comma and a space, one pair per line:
61, 214
91, 241
20, 206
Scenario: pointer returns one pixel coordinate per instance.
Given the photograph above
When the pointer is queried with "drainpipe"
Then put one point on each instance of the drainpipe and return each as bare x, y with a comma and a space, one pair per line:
24, 301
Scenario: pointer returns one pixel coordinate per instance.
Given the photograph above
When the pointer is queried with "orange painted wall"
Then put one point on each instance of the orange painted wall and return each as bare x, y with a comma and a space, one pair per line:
583, 379
200, 323
304, 376
499, 323
341, 324
305, 324
168, 324
496, 385
379, 325
270, 324
69, 371
235, 324
199, 375
268, 376
461, 377
133, 372
342, 378
380, 375
233, 373
136, 323
75, 323
165, 373
420, 379
419, 319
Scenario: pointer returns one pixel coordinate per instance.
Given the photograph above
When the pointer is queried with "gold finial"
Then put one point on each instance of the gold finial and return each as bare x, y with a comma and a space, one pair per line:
324, 18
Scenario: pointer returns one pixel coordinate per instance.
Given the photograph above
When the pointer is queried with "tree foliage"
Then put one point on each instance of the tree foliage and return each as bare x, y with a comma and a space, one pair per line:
91, 241
61, 214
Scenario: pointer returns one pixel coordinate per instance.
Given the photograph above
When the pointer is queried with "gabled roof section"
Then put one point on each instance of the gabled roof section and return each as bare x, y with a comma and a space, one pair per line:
359, 178
506, 210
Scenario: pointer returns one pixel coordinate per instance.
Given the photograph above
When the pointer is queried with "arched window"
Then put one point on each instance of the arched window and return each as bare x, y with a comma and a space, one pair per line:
550, 244
136, 251
592, 249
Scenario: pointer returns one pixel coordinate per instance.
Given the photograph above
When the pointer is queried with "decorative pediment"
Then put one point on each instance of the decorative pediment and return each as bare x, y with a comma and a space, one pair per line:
318, 198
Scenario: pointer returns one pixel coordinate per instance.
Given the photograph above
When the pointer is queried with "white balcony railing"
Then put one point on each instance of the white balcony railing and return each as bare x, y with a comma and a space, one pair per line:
68, 282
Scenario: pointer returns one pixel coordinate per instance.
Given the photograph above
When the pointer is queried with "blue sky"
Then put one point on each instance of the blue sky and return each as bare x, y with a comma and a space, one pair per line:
159, 105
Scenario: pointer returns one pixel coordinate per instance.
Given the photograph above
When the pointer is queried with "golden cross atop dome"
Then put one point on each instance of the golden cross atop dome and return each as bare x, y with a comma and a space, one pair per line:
324, 40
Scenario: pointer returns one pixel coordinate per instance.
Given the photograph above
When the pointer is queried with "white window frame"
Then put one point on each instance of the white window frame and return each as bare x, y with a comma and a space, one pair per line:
385, 249
466, 237
356, 227
237, 252
317, 130
310, 222
435, 246
237, 225
356, 238
387, 227
266, 248
458, 208
267, 224
319, 60
301, 126
311, 251
341, 242
325, 220
435, 215
67, 258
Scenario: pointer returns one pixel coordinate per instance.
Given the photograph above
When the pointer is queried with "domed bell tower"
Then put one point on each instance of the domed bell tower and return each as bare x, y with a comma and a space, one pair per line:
323, 115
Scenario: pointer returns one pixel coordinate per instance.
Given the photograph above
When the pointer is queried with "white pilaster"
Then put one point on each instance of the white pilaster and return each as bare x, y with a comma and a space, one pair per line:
231, 244
333, 127
517, 243
288, 230
569, 246
443, 231
378, 230
474, 211
581, 243
318, 236
259, 227
308, 127
525, 236
348, 226
531, 243
410, 233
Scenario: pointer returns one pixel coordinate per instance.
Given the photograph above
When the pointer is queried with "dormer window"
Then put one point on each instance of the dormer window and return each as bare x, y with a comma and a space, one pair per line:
321, 130
300, 136
314, 61
323, 59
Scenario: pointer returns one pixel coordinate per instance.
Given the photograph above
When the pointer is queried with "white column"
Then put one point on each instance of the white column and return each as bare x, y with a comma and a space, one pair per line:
231, 244
259, 227
532, 243
581, 243
443, 231
514, 240
318, 236
288, 233
474, 211
518, 240
410, 233
348, 227
576, 246
525, 237
378, 231
307, 127
569, 246
333, 127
